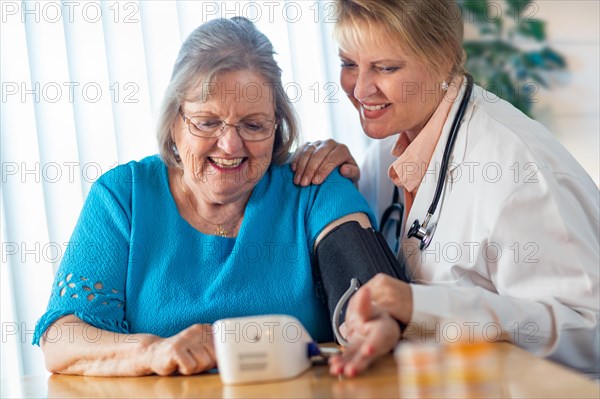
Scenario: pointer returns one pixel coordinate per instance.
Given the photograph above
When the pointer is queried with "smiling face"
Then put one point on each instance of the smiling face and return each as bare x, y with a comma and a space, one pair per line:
392, 91
225, 169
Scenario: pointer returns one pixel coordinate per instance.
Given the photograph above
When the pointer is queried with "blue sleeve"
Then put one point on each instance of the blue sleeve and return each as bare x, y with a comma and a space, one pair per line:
334, 198
90, 282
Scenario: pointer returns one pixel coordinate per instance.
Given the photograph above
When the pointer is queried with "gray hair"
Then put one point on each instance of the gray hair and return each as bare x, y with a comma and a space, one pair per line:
225, 45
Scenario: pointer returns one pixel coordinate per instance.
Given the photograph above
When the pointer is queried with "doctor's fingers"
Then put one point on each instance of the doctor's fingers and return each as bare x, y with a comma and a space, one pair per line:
338, 155
360, 307
360, 311
317, 160
392, 295
307, 161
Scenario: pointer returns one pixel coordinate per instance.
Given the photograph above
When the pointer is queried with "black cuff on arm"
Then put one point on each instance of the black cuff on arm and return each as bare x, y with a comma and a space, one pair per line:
351, 251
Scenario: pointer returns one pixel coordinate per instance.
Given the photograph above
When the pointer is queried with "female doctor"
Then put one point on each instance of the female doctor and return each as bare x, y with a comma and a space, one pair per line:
508, 247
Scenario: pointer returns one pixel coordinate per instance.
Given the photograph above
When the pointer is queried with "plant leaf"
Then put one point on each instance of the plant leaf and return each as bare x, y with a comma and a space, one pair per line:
516, 7
557, 60
498, 62
533, 28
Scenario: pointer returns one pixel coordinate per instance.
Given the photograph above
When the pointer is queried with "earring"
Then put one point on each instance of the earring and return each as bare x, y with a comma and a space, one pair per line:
176, 152
445, 85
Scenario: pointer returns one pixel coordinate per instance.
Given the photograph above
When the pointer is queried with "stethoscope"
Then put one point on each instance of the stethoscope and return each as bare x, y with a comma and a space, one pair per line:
425, 231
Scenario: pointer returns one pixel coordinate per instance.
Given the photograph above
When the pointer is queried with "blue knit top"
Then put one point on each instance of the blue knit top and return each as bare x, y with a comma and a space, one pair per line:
134, 265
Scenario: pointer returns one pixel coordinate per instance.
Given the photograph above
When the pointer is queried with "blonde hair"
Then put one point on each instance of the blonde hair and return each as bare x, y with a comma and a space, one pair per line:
225, 45
429, 30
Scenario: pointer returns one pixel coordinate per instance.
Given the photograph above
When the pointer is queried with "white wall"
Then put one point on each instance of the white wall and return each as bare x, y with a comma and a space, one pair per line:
572, 108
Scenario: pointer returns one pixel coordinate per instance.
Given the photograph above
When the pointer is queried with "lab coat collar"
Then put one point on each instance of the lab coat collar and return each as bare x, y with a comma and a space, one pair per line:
413, 157
427, 187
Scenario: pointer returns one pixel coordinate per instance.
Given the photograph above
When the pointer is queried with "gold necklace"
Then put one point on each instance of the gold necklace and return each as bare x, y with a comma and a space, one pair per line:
220, 229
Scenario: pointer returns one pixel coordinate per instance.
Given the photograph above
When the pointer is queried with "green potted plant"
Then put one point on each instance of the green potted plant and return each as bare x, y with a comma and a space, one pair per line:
510, 58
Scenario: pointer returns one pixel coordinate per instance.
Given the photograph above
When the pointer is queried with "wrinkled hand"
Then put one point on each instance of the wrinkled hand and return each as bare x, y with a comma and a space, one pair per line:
314, 161
371, 333
189, 352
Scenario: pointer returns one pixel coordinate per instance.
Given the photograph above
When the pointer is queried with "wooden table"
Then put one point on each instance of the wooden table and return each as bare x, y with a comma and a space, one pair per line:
518, 374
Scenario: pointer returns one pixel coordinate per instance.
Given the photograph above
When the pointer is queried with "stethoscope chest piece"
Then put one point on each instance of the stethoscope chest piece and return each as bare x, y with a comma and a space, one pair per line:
423, 233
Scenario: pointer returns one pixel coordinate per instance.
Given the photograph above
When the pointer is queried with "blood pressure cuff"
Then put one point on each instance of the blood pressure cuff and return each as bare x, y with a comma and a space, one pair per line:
351, 251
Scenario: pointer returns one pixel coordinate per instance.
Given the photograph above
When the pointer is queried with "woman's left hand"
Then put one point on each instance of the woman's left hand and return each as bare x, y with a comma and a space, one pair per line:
371, 333
314, 161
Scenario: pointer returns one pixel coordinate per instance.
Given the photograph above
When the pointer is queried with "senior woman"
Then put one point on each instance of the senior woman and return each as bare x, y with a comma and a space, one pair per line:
213, 228
511, 251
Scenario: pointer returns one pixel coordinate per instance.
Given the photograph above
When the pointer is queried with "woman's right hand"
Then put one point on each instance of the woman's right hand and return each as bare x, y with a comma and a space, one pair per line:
189, 352
314, 161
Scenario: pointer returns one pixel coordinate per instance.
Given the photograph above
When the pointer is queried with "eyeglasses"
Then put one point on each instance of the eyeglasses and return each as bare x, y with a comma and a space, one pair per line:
208, 127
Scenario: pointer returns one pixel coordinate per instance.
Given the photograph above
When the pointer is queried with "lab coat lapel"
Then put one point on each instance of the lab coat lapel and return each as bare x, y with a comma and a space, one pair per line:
426, 192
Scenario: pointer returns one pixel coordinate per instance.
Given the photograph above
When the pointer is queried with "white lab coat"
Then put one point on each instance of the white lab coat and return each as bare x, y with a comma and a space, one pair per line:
516, 252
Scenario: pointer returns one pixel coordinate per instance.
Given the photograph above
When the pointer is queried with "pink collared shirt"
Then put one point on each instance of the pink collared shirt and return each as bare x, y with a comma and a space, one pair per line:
414, 155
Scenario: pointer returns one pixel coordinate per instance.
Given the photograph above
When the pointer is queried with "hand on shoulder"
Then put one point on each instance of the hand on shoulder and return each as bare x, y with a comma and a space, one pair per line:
313, 162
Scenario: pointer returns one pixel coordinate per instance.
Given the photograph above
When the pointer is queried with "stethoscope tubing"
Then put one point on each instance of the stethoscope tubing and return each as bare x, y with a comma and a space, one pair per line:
421, 231
450, 144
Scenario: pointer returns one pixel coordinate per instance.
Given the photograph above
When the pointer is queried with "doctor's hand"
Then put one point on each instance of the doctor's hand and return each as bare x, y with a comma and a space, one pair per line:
371, 333
191, 351
392, 295
314, 161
